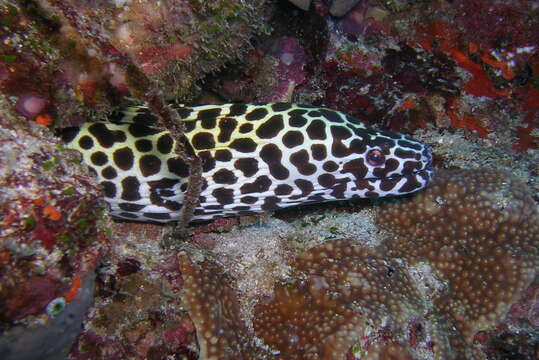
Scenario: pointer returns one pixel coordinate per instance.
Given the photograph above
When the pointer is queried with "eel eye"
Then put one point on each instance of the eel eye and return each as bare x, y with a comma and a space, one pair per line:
375, 157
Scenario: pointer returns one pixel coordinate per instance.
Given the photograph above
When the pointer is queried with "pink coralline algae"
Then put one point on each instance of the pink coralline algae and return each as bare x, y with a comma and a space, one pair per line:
48, 238
289, 71
30, 105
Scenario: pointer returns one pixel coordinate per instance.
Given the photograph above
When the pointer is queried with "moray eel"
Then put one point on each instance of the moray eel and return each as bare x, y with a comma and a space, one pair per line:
256, 158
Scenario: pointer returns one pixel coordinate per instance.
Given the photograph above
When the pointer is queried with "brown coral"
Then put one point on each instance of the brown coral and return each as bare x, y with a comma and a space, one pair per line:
478, 230
346, 294
214, 309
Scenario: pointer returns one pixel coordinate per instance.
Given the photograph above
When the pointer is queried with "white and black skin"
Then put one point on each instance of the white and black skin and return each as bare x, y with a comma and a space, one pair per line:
256, 158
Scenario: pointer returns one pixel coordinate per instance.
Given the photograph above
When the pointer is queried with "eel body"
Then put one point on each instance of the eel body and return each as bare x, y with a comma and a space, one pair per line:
256, 158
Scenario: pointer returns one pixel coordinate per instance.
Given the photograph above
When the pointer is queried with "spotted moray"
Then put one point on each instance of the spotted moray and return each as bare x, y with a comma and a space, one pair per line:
256, 158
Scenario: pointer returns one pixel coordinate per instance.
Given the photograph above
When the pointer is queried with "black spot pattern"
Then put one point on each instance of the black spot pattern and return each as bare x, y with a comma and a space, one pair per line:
68, 134
184, 112
131, 207
178, 167
208, 161
391, 135
139, 130
224, 176
338, 190
256, 114
318, 151
389, 166
157, 216
119, 136
371, 194
245, 128
208, 123
189, 126
86, 142
208, 114
340, 132
99, 158
102, 134
248, 199
292, 139
241, 208
270, 128
123, 158
406, 154
168, 193
331, 115
330, 166
300, 160
128, 215
283, 189
226, 128
149, 165
338, 149
355, 167
248, 166
164, 144
143, 145
214, 207
164, 183
260, 185
317, 130
157, 188
409, 166
409, 145
203, 141
223, 155
109, 188
246, 213
237, 109
130, 189
326, 180
187, 146
244, 145
297, 121
305, 186
109, 173
388, 184
270, 203
223, 196
364, 185
280, 106
144, 116
271, 154
384, 144
358, 146
297, 112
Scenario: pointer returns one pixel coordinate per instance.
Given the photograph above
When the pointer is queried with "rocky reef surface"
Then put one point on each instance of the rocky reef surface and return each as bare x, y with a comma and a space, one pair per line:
448, 273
